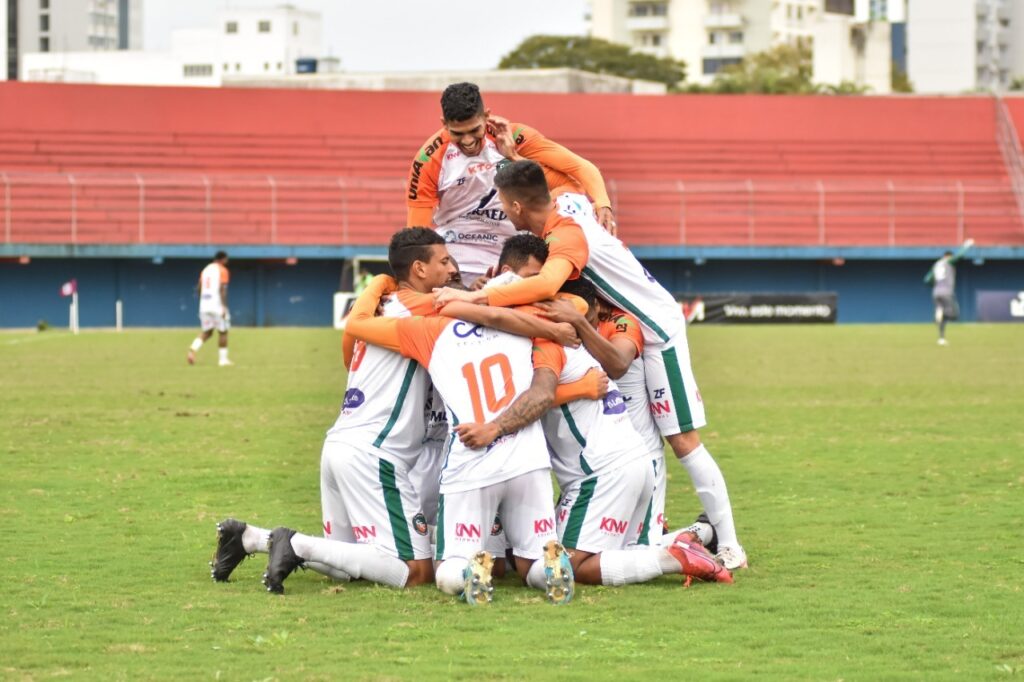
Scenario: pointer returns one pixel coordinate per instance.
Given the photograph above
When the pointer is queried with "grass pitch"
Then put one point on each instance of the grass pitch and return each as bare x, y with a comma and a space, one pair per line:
877, 482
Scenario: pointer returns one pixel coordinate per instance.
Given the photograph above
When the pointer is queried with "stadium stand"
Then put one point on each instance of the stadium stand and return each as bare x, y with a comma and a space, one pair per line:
120, 165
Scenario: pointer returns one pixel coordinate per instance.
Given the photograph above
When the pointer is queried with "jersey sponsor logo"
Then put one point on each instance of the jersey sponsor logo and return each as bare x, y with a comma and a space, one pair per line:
614, 526
452, 155
543, 526
614, 403
650, 277
353, 399
417, 165
452, 237
438, 417
660, 408
467, 530
364, 533
495, 214
475, 168
465, 329
563, 514
419, 523
327, 527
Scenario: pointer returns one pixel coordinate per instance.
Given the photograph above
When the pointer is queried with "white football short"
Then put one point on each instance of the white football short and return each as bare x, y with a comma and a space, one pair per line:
370, 500
609, 510
466, 520
676, 404
657, 525
209, 321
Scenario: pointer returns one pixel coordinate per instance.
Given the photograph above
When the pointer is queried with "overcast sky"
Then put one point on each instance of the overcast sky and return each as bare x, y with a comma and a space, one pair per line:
396, 35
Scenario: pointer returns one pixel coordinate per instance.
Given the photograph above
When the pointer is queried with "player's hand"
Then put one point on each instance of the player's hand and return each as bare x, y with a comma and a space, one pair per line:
598, 379
968, 243
565, 335
606, 218
445, 295
501, 130
481, 281
477, 436
560, 310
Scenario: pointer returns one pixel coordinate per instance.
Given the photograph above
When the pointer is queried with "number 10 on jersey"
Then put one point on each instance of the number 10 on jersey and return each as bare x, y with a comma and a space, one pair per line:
489, 366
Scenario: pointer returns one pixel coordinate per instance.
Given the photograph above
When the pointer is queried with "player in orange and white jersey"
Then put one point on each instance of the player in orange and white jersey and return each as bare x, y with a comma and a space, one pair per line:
213, 308
451, 181
578, 246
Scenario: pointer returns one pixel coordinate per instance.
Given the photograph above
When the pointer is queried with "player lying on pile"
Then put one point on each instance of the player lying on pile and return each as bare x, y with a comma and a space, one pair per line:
580, 247
372, 513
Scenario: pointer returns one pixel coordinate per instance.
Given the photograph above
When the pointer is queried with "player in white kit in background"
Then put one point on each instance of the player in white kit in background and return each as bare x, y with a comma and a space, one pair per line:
213, 308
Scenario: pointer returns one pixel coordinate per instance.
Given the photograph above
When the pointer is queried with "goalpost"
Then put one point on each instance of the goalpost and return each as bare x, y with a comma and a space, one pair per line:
343, 300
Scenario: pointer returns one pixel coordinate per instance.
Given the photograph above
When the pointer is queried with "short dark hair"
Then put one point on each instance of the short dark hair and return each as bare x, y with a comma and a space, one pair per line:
461, 102
220, 255
524, 182
582, 288
948, 253
519, 247
409, 245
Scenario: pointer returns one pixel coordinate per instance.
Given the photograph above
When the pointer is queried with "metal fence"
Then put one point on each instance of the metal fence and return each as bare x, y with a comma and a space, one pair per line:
84, 208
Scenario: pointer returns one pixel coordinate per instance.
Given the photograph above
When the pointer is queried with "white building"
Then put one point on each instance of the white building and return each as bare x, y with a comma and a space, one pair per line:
67, 25
244, 42
711, 34
964, 45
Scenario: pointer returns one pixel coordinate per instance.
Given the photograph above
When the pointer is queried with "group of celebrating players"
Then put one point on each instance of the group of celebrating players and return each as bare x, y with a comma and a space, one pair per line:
548, 348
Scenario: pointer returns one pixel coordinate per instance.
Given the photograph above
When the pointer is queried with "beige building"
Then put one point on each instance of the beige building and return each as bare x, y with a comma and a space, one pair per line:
712, 34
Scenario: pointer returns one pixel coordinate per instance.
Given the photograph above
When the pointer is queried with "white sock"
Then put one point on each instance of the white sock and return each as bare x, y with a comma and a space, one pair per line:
255, 539
197, 343
223, 354
624, 567
448, 575
704, 534
710, 485
329, 571
536, 577
358, 561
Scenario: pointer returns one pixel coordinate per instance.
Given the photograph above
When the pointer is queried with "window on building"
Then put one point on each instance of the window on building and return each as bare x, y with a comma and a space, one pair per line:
839, 6
656, 40
264, 26
800, 12
712, 38
716, 64
736, 37
197, 70
238, 67
280, 66
266, 66
44, 44
295, 28
227, 67
231, 27
44, 4
44, 22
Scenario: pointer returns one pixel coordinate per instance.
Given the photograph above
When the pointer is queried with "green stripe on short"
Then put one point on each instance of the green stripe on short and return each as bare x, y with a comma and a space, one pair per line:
440, 528
393, 502
678, 391
645, 534
571, 536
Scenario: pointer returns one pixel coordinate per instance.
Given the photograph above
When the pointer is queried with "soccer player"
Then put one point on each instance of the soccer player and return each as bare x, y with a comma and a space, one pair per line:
942, 277
578, 246
451, 181
372, 514
479, 371
213, 308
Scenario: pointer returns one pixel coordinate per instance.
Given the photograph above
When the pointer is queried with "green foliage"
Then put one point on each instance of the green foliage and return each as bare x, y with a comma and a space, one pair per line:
1017, 84
595, 55
876, 481
901, 81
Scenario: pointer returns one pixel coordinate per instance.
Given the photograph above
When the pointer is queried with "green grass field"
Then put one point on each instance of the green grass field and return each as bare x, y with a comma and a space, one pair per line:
877, 482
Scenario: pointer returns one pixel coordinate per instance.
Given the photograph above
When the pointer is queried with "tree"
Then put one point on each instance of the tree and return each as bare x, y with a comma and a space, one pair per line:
595, 55
900, 80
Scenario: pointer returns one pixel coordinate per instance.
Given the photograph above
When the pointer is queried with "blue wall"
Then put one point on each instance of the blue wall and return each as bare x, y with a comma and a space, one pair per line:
267, 293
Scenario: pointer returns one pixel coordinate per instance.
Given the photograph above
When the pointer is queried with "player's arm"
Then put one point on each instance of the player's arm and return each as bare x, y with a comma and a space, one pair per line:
593, 386
545, 285
224, 295
513, 322
962, 251
615, 355
553, 155
362, 323
525, 410
421, 185
930, 277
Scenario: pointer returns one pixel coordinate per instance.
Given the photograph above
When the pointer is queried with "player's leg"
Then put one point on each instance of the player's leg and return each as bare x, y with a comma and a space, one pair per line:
236, 540
222, 341
206, 326
528, 514
462, 520
679, 411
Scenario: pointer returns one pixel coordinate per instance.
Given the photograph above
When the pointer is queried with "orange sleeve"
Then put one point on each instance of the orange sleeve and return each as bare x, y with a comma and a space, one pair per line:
625, 326
550, 154
417, 303
421, 187
542, 287
548, 354
225, 276
584, 388
361, 323
417, 335
567, 241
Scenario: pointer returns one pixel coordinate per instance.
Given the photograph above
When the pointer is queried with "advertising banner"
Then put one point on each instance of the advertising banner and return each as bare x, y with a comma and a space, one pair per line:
739, 308
1000, 306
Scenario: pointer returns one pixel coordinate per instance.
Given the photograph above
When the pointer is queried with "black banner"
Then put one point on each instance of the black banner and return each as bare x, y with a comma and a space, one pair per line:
760, 308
